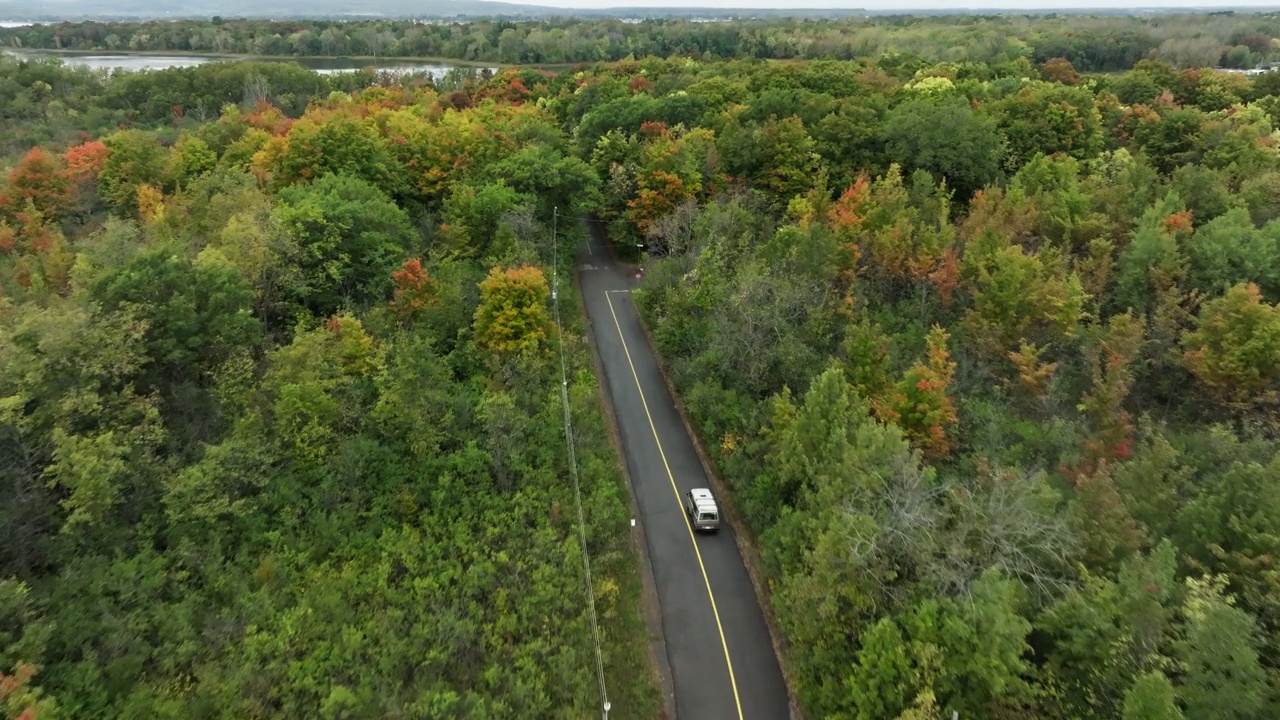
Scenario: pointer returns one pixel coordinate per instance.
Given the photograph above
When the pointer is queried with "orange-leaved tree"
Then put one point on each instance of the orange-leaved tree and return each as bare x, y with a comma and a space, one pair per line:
40, 179
845, 217
415, 290
671, 167
512, 316
8, 238
1060, 70
85, 161
919, 403
21, 699
903, 239
1111, 353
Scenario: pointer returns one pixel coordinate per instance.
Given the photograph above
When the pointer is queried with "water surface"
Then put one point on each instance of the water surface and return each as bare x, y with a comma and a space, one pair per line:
326, 66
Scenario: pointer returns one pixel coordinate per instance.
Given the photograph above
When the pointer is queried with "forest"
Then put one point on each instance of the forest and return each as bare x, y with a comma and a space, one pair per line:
989, 357
987, 353
1099, 43
281, 427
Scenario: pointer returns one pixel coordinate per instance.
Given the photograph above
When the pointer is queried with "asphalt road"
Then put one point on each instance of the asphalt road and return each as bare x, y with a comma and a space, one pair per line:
722, 661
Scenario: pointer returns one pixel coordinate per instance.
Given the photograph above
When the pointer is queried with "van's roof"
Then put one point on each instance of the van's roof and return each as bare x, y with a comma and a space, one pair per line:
702, 499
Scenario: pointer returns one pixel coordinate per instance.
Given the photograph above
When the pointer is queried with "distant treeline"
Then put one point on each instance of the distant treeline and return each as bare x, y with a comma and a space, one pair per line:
1094, 43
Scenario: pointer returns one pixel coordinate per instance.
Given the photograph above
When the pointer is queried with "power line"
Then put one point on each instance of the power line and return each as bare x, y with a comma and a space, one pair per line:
573, 460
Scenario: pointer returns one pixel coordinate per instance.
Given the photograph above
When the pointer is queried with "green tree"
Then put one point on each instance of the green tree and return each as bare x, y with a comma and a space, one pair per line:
350, 236
978, 646
472, 215
1151, 698
24, 630
948, 139
1229, 250
197, 314
1104, 633
1044, 118
135, 159
189, 158
884, 681
1223, 678
550, 177
1153, 261
1169, 138
336, 145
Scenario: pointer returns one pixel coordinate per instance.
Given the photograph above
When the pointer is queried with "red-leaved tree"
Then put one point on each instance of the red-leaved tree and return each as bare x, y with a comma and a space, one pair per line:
415, 290
42, 180
85, 161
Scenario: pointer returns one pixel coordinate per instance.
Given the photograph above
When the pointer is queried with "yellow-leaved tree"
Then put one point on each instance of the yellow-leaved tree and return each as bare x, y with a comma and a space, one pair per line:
512, 316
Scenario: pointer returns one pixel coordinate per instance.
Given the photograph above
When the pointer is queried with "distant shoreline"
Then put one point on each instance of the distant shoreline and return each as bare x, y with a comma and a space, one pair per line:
246, 57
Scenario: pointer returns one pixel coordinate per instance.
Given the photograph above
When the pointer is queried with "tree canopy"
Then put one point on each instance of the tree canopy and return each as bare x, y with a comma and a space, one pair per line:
977, 319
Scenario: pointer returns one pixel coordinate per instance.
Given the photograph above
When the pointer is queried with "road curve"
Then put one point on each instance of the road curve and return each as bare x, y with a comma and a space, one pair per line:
722, 661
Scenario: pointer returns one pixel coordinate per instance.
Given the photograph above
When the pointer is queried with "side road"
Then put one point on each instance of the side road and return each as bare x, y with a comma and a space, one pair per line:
721, 658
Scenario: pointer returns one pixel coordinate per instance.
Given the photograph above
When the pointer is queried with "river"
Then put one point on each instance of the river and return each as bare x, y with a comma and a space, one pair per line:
327, 66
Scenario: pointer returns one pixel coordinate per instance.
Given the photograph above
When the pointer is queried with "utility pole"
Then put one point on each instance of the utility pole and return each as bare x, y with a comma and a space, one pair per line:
573, 460
555, 253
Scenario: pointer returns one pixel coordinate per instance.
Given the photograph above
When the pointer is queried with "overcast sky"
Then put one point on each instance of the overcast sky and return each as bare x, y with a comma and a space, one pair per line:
907, 4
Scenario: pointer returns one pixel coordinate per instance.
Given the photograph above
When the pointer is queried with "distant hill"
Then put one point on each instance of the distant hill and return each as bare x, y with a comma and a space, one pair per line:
107, 10
70, 10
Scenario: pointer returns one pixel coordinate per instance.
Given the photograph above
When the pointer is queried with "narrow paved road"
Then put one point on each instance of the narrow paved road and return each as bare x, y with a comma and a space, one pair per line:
722, 661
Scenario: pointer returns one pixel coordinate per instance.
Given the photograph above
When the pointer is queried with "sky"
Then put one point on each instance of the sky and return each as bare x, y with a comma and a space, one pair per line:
1031, 5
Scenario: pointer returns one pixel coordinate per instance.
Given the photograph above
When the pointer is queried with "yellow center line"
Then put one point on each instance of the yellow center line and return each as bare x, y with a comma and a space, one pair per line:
710, 595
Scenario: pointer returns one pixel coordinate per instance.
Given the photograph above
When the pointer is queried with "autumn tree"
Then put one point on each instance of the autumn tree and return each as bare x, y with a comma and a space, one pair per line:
1235, 346
919, 403
903, 227
414, 290
1112, 351
20, 699
1020, 296
1059, 70
512, 316
86, 160
1098, 510
40, 179
669, 169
